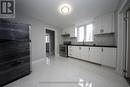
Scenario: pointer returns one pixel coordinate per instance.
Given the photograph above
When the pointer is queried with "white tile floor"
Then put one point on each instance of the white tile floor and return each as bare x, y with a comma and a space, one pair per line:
69, 72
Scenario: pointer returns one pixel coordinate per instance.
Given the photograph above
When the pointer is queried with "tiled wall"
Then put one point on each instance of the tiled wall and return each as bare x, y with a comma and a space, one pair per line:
105, 39
101, 39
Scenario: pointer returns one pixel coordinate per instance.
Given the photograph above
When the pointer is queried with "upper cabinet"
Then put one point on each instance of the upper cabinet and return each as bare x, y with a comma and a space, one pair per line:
104, 24
70, 31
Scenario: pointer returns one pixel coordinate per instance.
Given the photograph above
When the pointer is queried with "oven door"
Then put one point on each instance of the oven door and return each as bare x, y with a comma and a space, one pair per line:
63, 50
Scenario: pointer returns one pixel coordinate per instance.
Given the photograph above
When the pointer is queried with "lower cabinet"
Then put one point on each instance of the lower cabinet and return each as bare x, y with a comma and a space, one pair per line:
84, 53
76, 51
101, 55
73, 51
80, 52
108, 57
95, 54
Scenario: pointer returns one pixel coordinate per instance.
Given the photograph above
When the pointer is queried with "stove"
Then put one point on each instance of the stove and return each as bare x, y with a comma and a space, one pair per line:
63, 48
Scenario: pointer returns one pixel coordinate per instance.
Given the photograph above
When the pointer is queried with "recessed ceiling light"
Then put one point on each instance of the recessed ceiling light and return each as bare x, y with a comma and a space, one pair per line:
65, 9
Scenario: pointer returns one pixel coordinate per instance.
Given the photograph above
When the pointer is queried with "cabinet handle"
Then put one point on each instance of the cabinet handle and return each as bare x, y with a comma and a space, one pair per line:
102, 49
80, 48
101, 30
89, 49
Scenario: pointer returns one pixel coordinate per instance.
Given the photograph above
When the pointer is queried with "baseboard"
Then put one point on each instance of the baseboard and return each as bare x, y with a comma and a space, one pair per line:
37, 61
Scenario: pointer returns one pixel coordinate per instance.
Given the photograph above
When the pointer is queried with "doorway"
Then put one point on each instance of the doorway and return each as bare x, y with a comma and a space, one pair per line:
50, 42
127, 45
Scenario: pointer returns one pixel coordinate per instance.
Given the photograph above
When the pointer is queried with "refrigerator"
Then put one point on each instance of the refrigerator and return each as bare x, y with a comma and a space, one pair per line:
14, 52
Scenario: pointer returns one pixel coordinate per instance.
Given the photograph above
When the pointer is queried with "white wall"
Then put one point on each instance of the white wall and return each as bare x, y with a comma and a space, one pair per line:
38, 49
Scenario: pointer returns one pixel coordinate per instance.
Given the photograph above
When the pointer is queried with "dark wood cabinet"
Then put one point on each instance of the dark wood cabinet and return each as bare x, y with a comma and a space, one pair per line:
14, 52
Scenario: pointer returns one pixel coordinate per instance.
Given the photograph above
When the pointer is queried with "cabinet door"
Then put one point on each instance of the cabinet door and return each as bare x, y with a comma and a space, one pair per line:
95, 54
107, 23
84, 53
97, 26
109, 57
76, 51
70, 50
104, 24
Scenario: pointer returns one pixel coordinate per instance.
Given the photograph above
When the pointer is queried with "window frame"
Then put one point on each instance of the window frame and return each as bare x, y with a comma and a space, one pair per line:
86, 33
78, 34
85, 29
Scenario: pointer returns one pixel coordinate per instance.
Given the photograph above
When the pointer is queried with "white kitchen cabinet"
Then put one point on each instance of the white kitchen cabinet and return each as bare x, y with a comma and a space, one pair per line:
97, 26
95, 54
108, 21
80, 52
101, 55
76, 51
70, 30
73, 51
70, 51
104, 24
84, 53
108, 57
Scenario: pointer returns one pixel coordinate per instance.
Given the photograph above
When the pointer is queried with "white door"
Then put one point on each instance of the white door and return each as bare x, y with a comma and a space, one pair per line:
95, 54
84, 53
108, 57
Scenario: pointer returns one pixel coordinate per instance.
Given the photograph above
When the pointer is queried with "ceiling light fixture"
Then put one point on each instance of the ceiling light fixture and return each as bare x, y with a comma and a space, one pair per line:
65, 9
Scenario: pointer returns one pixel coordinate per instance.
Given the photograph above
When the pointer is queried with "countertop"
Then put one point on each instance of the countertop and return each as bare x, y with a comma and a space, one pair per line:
92, 45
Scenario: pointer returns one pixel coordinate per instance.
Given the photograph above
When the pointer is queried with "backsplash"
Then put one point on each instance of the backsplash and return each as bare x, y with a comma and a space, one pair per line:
105, 39
100, 39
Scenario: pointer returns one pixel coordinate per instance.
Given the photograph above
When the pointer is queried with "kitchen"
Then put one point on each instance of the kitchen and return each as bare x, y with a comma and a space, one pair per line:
64, 43
98, 43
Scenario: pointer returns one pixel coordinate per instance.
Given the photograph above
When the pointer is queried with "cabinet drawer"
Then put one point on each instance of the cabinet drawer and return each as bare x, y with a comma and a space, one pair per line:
69, 54
15, 63
14, 73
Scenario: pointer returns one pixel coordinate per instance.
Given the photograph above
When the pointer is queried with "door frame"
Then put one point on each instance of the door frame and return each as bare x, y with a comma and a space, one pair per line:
52, 29
127, 61
121, 39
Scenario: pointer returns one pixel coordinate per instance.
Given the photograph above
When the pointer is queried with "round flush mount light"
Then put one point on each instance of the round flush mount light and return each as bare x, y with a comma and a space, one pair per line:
65, 9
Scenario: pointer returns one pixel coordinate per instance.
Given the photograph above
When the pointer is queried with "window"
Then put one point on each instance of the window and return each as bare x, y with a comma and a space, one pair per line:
81, 34
47, 38
89, 33
84, 33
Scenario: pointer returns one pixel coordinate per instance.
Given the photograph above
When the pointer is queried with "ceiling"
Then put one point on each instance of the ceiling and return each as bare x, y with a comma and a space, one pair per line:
82, 10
